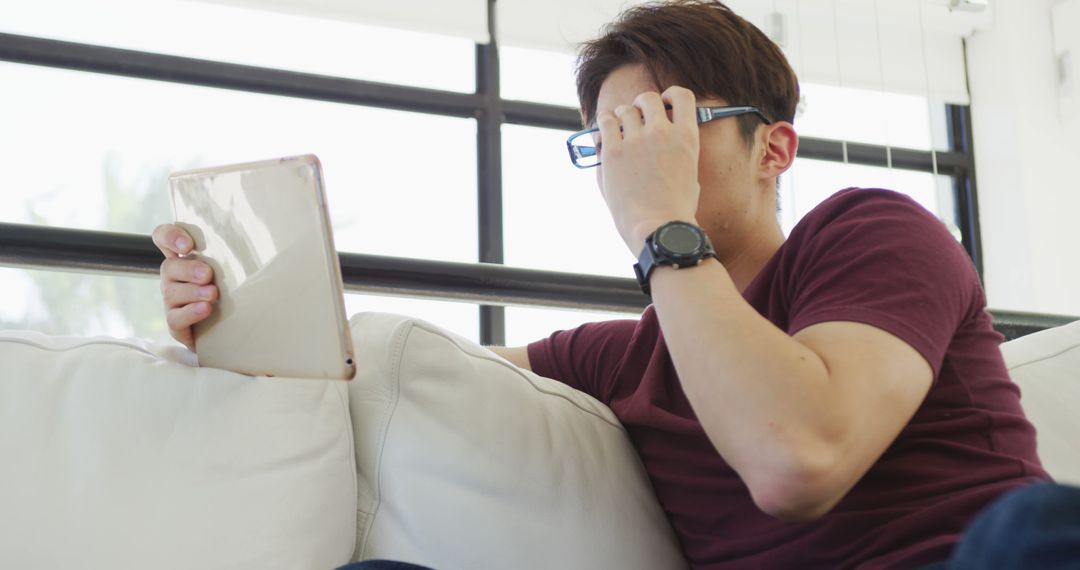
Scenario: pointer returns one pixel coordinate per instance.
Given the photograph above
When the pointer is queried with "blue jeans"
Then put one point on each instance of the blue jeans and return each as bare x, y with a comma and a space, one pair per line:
1037, 526
382, 565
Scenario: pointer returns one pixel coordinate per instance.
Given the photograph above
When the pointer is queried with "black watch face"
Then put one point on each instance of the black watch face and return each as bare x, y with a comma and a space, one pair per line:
679, 239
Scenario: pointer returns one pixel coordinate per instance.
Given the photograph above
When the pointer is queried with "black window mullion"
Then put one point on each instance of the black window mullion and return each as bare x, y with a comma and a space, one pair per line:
233, 76
489, 175
964, 187
132, 254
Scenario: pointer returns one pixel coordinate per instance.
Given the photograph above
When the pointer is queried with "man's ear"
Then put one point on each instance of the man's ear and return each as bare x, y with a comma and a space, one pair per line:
780, 142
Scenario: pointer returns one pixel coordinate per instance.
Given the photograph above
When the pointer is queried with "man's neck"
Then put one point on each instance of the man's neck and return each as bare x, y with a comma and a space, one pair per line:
745, 264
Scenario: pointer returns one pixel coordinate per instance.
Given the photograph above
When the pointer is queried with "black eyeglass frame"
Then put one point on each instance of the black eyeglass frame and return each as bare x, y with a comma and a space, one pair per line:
704, 115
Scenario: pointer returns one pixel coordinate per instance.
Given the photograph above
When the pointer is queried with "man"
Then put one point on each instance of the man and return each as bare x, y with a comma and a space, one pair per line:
833, 400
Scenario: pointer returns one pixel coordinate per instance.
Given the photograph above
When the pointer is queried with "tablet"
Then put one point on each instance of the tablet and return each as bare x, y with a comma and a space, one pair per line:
264, 229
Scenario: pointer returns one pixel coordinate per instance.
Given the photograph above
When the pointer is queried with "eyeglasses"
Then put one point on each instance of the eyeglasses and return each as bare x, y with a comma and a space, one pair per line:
585, 152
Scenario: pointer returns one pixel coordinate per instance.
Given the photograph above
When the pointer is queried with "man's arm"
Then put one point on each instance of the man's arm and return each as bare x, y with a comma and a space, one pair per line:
185, 306
801, 418
517, 355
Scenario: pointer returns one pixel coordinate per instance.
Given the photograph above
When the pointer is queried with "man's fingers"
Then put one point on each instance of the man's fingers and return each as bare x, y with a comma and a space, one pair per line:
186, 284
180, 294
610, 135
172, 240
630, 120
652, 108
185, 337
182, 318
683, 105
186, 271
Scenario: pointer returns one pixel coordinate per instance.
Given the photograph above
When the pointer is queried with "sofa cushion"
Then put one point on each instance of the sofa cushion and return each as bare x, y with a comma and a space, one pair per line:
466, 461
1046, 365
113, 458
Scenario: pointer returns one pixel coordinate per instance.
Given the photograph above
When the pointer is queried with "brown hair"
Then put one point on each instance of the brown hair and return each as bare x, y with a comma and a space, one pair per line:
699, 44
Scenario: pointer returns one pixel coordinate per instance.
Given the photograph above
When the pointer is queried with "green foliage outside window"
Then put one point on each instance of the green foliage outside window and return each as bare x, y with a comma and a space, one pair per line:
71, 303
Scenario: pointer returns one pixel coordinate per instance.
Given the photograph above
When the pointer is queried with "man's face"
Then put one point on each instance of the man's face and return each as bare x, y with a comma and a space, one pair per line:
726, 167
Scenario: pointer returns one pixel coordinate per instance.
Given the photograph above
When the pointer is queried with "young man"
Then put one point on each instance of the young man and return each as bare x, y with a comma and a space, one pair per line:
834, 400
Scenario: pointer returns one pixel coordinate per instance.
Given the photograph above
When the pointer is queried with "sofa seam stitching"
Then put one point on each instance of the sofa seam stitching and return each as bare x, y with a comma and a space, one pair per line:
1044, 358
395, 373
524, 376
343, 399
31, 343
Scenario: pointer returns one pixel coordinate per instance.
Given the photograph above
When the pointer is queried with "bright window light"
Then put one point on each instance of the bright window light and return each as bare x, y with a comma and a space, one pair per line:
873, 117
253, 37
554, 217
94, 151
86, 304
461, 318
811, 181
81, 304
538, 76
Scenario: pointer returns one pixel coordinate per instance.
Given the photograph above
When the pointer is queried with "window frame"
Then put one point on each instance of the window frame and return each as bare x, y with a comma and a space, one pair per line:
489, 282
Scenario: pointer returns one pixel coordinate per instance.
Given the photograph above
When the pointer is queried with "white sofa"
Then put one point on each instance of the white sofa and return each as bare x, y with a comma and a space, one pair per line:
119, 454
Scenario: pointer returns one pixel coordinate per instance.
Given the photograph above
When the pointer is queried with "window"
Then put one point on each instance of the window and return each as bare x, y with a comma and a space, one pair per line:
538, 76
859, 115
84, 304
81, 304
399, 184
207, 30
457, 317
811, 181
541, 187
554, 216
387, 173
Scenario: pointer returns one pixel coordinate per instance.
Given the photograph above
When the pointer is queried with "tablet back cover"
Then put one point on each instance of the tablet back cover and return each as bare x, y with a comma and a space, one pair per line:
264, 229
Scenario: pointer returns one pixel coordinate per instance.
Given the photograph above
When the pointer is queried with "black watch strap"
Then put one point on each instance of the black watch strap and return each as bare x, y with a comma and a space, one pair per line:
689, 247
644, 267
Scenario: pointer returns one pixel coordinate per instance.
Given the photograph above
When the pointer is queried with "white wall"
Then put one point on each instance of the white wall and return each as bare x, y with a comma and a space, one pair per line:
1027, 157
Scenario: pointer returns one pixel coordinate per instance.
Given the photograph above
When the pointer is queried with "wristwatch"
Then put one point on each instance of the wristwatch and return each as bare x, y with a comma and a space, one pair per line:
675, 244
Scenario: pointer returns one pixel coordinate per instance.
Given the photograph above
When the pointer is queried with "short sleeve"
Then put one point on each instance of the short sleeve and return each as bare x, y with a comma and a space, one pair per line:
878, 258
585, 358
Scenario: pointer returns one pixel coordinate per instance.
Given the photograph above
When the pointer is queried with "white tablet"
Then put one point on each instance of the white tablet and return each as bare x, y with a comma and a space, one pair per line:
264, 229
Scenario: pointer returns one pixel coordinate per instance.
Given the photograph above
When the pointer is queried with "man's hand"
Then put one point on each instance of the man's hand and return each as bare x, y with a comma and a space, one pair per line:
650, 168
186, 284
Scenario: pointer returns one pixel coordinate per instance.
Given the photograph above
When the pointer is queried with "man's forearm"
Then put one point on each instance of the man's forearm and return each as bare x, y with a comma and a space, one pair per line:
762, 397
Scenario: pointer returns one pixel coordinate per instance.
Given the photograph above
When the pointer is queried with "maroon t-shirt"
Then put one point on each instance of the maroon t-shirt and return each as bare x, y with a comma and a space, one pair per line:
869, 256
